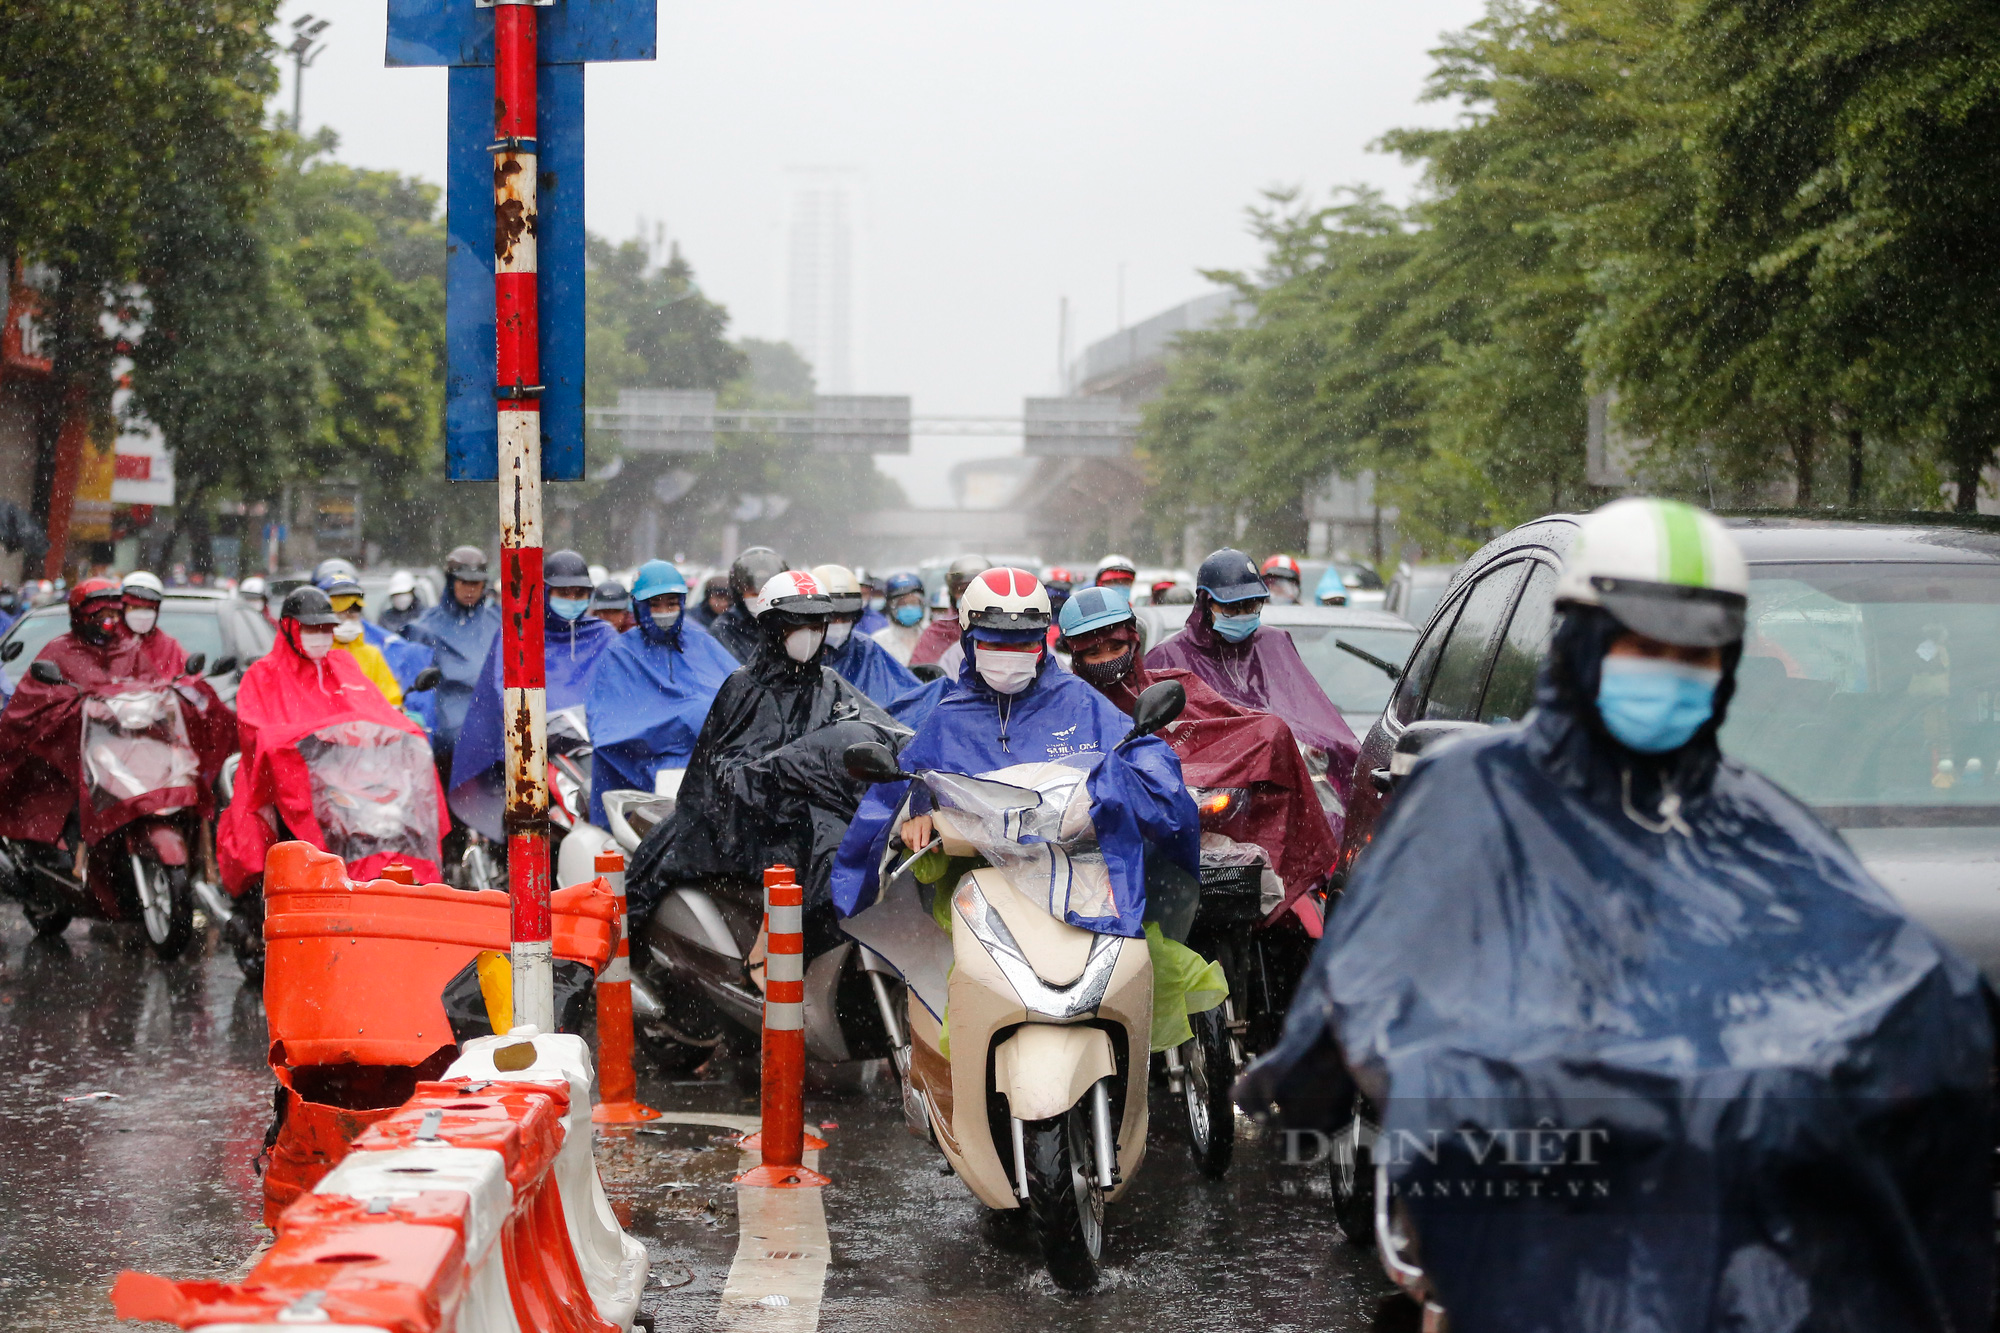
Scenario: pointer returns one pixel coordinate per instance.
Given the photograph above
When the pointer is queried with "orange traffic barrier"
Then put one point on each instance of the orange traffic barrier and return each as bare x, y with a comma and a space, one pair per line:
618, 1084
782, 1140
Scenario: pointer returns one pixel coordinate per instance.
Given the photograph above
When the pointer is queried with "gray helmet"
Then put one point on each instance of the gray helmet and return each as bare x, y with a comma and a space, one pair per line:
308, 606
610, 595
753, 569
566, 569
962, 572
467, 563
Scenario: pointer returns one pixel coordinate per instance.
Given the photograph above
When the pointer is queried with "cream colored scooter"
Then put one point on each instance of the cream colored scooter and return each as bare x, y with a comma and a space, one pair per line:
1029, 1039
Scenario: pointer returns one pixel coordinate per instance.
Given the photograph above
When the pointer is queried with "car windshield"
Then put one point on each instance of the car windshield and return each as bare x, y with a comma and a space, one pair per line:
1872, 691
33, 634
1355, 686
199, 629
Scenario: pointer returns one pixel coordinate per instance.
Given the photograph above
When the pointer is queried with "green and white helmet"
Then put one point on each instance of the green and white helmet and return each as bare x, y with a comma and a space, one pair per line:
1665, 569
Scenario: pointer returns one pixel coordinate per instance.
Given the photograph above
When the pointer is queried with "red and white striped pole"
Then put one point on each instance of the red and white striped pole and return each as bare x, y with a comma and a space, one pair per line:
519, 392
783, 1139
617, 1083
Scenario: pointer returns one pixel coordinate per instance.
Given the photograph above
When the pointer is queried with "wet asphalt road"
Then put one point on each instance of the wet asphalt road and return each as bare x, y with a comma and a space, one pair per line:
161, 1178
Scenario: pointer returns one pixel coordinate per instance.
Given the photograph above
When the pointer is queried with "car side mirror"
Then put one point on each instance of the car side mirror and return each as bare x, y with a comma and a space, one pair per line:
195, 664
427, 679
1418, 739
48, 673
223, 665
12, 650
1158, 706
872, 762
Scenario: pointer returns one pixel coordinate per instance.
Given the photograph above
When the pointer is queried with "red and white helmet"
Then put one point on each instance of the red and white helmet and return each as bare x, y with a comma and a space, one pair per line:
1282, 567
794, 592
1005, 599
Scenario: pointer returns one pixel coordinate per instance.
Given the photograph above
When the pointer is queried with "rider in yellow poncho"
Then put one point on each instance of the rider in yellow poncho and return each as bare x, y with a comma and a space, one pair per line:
346, 596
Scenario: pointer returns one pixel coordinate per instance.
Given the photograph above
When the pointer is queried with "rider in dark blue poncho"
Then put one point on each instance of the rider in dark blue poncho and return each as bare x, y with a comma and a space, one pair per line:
1647, 1046
1014, 705
459, 631
651, 689
572, 642
853, 656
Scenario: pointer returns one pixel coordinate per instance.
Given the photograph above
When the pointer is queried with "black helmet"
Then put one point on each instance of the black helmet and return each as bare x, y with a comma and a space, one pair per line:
566, 569
611, 595
466, 562
308, 606
753, 569
1230, 576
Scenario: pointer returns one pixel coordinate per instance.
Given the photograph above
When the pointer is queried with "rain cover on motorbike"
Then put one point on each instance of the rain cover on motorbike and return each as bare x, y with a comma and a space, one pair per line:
373, 790
136, 755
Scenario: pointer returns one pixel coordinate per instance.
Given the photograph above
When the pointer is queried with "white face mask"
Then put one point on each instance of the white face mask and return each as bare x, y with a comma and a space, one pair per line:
1005, 672
347, 631
802, 643
315, 643
139, 622
837, 632
401, 600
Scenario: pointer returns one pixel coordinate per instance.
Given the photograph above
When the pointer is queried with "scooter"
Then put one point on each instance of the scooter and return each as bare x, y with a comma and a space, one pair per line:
1038, 1100
698, 961
135, 753
480, 859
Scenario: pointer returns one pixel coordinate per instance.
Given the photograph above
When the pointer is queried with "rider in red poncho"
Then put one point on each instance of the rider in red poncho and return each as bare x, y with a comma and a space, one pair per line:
1220, 744
41, 732
322, 747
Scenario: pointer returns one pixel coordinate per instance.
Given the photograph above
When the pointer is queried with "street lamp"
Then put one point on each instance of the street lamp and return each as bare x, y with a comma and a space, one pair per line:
305, 48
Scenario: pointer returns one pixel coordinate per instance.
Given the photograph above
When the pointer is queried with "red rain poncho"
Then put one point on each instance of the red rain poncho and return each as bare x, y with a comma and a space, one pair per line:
345, 771
41, 740
1223, 745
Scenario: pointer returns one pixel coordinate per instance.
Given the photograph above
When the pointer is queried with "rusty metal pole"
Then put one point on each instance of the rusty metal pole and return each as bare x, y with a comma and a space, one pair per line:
519, 394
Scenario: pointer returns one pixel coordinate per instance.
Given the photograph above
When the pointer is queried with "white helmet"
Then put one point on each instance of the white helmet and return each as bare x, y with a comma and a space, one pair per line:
141, 584
254, 586
1005, 599
839, 583
1665, 569
402, 581
1118, 563
794, 593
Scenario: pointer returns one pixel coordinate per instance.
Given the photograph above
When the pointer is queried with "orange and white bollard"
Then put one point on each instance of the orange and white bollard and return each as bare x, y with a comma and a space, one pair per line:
783, 1139
617, 1083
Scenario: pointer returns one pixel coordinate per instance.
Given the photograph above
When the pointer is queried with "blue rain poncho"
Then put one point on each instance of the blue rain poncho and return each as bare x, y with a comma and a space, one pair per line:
871, 620
1646, 1066
459, 638
570, 648
646, 702
406, 659
868, 667
1137, 796
915, 708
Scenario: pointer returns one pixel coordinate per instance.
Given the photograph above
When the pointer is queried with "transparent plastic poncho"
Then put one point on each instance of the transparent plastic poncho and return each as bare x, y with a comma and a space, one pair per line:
1032, 821
134, 744
373, 790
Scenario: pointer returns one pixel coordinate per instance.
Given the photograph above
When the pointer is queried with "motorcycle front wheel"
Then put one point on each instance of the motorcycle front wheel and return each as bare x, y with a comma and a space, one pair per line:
1065, 1205
1207, 1114
166, 906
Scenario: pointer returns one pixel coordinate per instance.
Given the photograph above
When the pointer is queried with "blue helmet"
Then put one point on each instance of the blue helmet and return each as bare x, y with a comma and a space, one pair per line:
1094, 608
900, 582
1230, 576
657, 578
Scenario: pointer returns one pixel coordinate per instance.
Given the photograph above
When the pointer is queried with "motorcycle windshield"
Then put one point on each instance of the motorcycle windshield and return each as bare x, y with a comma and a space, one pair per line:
135, 744
1032, 821
373, 790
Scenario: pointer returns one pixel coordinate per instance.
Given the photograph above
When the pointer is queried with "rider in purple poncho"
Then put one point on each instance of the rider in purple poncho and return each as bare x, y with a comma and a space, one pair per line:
1256, 667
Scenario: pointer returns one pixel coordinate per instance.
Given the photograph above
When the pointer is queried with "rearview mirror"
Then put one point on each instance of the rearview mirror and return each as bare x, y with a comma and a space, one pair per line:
48, 673
12, 650
195, 664
223, 665
871, 761
427, 679
1158, 706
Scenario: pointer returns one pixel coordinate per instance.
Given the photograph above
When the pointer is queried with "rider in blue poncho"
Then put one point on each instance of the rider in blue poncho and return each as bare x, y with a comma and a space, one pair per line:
459, 631
1013, 705
572, 641
651, 689
850, 652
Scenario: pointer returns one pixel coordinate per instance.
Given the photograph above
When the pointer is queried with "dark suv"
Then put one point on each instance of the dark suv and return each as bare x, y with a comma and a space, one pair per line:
1869, 688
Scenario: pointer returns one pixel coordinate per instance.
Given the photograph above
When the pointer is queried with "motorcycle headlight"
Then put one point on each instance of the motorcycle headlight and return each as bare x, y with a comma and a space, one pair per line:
1078, 999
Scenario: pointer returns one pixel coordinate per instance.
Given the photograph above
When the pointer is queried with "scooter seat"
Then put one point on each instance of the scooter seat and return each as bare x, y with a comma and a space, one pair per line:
1055, 949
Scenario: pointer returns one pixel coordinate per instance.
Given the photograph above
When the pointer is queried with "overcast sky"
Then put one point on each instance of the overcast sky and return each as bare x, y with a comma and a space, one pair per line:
1011, 155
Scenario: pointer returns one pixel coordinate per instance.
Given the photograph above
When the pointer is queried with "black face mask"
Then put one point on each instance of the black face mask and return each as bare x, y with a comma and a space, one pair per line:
1102, 674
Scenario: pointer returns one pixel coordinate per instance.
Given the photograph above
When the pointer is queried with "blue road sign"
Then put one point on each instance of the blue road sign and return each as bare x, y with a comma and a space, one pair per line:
457, 34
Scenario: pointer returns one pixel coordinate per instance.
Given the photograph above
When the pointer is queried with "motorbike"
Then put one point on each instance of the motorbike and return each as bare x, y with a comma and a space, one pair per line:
141, 775
1038, 1099
479, 859
698, 961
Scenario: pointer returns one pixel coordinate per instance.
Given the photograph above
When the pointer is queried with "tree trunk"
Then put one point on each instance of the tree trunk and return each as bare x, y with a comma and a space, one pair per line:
1805, 452
1969, 460
1857, 457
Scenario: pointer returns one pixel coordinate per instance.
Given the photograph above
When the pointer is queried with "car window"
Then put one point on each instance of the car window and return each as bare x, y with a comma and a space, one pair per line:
1417, 675
1510, 691
1355, 686
198, 629
1461, 675
254, 635
34, 632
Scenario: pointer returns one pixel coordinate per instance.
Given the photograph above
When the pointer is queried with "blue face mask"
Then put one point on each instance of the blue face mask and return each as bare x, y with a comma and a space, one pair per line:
1237, 628
568, 608
908, 616
1652, 705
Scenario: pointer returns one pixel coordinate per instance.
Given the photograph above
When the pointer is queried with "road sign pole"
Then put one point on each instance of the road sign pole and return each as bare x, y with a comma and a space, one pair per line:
519, 389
